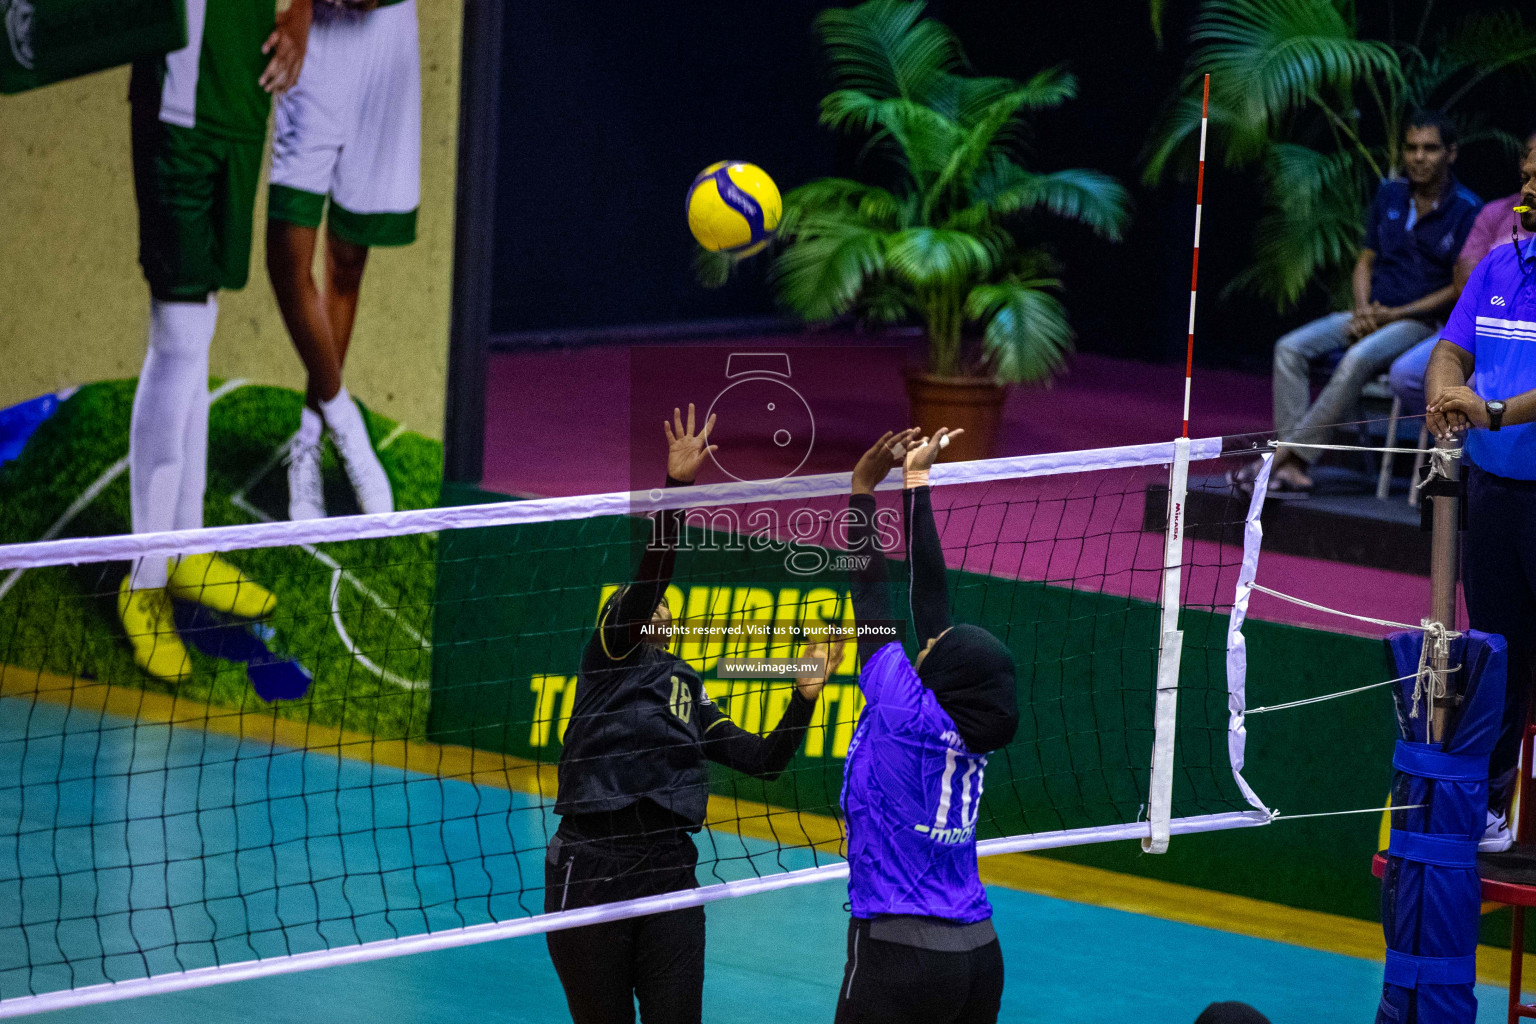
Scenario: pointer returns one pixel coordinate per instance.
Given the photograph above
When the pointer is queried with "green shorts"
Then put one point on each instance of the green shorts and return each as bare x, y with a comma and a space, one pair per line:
197, 198
307, 209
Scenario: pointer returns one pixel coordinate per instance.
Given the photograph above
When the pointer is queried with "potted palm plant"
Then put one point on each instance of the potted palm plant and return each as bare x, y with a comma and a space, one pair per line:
932, 230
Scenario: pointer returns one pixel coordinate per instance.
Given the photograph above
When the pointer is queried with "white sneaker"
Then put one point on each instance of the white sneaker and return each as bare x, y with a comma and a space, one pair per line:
361, 462
306, 495
1496, 835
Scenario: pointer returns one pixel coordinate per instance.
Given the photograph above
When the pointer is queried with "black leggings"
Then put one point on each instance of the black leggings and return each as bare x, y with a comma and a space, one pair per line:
658, 959
888, 983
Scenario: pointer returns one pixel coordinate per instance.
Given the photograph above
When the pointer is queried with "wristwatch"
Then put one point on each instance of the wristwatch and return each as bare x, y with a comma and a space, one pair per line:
1495, 414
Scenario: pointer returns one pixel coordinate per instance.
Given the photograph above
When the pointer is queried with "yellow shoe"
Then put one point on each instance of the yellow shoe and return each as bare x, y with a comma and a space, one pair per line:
151, 630
214, 583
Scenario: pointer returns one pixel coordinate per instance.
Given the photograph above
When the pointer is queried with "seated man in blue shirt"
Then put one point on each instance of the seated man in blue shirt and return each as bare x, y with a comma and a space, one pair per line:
1402, 286
1482, 380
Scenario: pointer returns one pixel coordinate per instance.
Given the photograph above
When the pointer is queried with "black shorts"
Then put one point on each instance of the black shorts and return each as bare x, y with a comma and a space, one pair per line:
657, 959
889, 983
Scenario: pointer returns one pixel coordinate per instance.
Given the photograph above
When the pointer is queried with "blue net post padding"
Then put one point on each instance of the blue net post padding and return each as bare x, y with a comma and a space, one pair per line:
1430, 893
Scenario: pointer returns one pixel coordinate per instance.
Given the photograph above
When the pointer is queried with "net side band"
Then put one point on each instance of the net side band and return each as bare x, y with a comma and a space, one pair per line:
122, 547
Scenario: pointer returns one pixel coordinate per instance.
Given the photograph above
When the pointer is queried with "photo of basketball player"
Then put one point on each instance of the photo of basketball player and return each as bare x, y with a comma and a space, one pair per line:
346, 149
199, 124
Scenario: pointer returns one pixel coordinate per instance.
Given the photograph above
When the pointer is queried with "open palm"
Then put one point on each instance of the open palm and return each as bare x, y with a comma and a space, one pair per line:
687, 449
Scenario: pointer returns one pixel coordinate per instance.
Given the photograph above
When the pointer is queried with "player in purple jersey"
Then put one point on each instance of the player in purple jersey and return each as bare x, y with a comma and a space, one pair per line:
921, 946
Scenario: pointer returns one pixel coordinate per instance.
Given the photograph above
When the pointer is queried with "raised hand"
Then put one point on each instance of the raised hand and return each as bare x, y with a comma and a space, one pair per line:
831, 655
882, 456
686, 451
921, 458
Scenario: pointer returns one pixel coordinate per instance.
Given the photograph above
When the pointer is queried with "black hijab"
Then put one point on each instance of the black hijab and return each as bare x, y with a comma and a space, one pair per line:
1231, 1013
971, 673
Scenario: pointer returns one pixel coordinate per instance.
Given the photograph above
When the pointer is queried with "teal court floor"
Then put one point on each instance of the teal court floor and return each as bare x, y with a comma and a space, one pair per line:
261, 850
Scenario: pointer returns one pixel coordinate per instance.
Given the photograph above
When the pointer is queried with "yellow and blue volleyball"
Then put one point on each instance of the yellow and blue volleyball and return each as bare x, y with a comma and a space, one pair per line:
733, 207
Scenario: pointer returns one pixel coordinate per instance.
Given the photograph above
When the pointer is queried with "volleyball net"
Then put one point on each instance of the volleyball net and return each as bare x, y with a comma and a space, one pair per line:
369, 769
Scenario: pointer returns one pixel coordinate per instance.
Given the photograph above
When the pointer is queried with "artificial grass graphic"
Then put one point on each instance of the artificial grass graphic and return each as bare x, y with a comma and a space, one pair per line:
357, 615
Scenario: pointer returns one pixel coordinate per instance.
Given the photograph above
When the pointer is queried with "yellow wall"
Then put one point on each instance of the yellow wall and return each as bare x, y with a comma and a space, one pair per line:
74, 307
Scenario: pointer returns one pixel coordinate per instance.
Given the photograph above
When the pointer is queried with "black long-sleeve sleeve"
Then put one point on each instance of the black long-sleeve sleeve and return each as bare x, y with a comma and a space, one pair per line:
928, 591
761, 756
870, 585
617, 635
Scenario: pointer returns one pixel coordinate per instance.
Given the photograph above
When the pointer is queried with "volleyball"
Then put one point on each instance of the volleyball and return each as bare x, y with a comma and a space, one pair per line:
733, 207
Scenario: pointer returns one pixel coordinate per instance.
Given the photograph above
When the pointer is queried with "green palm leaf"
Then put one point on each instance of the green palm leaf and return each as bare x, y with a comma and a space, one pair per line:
822, 269
885, 48
713, 269
1304, 174
1488, 44
1027, 336
1050, 88
1155, 10
1301, 242
989, 132
1175, 138
1088, 197
924, 138
1491, 41
1268, 58
875, 206
934, 258
884, 302
961, 98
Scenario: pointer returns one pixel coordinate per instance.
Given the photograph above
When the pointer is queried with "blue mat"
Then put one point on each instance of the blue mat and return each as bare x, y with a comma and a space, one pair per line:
1067, 962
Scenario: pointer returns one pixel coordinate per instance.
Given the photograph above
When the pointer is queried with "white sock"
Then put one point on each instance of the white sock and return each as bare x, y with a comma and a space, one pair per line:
168, 436
343, 417
194, 466
310, 426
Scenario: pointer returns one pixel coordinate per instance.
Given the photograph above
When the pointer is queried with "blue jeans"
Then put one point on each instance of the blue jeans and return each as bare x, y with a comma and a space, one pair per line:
1298, 419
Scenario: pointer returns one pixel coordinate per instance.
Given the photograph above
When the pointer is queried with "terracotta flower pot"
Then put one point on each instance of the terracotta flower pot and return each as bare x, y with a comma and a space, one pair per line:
972, 403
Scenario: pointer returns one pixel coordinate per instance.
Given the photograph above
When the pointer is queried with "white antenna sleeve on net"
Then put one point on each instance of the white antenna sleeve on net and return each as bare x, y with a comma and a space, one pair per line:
1237, 644
1165, 715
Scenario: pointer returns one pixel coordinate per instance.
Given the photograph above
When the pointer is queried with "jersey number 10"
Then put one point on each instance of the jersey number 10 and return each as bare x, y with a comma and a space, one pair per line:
966, 792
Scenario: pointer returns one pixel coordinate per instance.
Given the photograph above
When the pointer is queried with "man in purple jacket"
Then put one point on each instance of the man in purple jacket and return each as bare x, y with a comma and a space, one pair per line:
921, 946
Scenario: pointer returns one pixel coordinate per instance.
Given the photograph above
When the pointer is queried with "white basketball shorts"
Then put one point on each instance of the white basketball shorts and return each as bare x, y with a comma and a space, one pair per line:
350, 129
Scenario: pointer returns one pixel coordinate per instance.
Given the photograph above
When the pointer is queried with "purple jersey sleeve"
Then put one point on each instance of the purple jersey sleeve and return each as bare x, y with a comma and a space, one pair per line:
1461, 328
888, 677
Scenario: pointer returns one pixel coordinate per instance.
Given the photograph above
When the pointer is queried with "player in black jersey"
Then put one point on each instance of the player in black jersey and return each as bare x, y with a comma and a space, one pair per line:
634, 787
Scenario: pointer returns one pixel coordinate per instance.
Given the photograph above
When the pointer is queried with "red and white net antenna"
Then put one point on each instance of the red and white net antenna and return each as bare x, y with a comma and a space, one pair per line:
1194, 274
